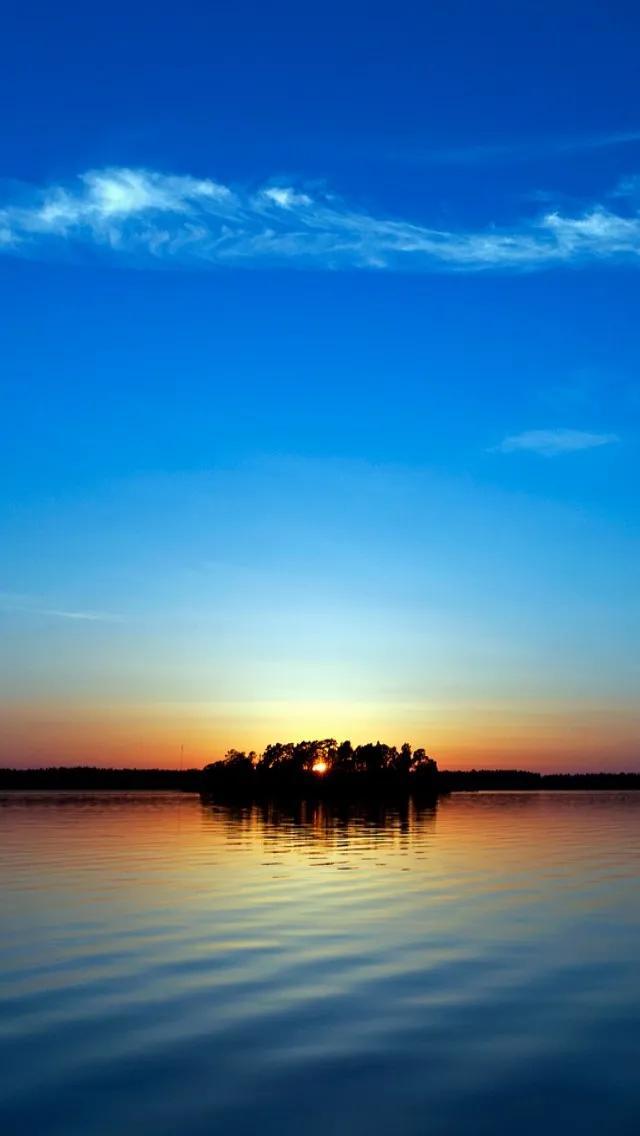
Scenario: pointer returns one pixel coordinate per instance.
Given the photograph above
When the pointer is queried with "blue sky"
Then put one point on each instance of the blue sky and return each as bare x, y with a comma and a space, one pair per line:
320, 376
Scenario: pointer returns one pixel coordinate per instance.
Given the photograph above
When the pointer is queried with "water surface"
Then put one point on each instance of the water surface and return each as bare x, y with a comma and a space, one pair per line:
171, 967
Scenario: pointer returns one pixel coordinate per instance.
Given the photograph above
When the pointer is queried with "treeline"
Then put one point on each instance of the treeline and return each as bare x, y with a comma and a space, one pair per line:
88, 777
323, 766
470, 780
291, 765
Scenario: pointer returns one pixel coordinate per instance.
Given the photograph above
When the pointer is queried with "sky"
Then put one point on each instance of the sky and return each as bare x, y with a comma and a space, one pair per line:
320, 380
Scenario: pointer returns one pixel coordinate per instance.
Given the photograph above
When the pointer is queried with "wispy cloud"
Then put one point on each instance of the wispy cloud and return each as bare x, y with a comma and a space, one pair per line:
87, 616
551, 443
527, 150
146, 217
30, 605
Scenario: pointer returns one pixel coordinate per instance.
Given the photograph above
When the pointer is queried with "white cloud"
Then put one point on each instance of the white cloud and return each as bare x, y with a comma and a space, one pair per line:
597, 233
108, 199
151, 217
550, 443
286, 197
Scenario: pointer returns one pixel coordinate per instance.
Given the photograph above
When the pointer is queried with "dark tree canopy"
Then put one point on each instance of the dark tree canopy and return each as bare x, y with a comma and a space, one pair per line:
324, 765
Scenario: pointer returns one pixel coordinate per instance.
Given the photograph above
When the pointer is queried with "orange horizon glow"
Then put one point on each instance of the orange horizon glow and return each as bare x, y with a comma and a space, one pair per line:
170, 736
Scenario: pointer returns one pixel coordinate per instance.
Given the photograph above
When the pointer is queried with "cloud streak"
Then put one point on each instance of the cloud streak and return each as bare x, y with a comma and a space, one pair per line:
142, 217
28, 605
82, 616
552, 443
529, 150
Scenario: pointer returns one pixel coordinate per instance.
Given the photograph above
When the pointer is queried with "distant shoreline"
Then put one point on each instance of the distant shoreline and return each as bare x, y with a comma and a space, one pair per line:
195, 781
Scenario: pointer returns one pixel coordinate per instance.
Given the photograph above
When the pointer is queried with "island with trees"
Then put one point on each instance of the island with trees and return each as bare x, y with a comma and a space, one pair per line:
324, 767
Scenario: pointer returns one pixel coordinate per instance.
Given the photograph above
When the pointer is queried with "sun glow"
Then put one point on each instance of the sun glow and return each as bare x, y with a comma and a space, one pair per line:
319, 767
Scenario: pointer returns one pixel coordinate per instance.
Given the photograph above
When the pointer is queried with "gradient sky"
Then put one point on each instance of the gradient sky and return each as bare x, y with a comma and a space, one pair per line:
320, 376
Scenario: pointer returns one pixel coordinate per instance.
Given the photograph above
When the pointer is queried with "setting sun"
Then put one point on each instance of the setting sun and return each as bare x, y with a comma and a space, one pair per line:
319, 767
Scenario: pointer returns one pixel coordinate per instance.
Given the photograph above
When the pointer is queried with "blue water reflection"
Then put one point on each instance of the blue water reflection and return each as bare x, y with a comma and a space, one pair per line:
169, 966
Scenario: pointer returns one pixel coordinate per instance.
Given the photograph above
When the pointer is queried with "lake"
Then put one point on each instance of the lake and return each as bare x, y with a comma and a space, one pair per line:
169, 966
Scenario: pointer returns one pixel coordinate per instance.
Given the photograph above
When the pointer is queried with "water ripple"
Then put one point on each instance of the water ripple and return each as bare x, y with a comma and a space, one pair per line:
170, 966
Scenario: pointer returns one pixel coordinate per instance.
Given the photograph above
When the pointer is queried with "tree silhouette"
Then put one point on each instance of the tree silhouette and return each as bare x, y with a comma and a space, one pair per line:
323, 765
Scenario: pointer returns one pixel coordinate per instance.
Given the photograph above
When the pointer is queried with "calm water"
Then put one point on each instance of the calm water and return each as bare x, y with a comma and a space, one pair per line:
168, 967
